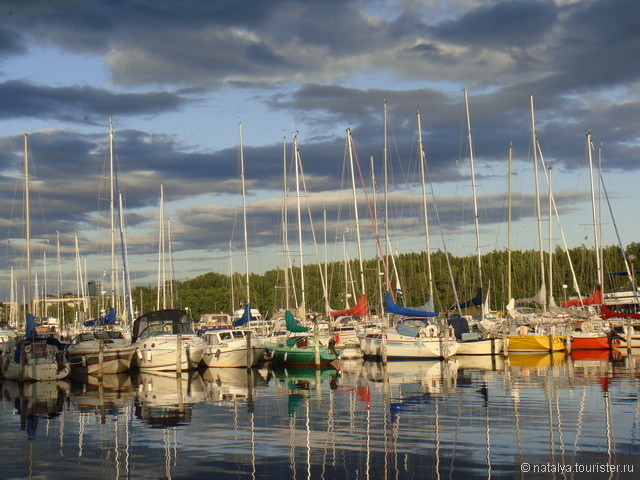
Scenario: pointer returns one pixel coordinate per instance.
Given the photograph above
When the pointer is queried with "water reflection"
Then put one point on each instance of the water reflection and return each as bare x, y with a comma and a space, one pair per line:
167, 399
466, 417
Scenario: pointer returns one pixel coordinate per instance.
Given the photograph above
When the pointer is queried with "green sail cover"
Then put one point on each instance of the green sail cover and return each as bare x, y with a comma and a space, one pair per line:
292, 325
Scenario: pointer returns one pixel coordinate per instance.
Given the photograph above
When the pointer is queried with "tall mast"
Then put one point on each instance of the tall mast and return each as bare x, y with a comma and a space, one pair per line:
375, 219
534, 143
550, 169
355, 209
509, 292
385, 161
171, 272
285, 224
27, 218
233, 300
425, 213
296, 158
60, 311
112, 216
162, 281
473, 189
128, 301
596, 236
244, 217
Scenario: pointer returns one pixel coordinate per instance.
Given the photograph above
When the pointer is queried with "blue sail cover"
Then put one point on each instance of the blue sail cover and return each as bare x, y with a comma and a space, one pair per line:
30, 333
108, 319
475, 301
244, 319
392, 307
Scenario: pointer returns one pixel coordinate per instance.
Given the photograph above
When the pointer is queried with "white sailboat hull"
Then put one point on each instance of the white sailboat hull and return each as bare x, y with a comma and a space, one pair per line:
483, 346
232, 357
400, 346
116, 359
41, 362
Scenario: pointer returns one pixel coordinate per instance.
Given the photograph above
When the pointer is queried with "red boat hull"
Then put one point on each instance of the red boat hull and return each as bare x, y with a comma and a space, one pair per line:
594, 343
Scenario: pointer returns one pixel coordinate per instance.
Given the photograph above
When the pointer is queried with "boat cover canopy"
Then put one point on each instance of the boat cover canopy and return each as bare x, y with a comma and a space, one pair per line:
244, 319
170, 316
292, 325
360, 310
108, 319
392, 307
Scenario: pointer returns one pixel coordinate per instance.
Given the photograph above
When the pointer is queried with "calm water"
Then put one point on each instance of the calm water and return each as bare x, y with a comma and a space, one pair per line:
467, 418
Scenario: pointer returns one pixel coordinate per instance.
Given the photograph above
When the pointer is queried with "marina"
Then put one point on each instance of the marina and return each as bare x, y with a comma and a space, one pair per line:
466, 417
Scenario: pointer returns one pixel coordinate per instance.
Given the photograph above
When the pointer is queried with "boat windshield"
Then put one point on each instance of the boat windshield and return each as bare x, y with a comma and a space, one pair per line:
166, 329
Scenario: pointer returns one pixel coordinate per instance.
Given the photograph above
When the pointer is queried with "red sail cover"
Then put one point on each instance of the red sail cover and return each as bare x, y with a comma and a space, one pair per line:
594, 299
360, 310
608, 313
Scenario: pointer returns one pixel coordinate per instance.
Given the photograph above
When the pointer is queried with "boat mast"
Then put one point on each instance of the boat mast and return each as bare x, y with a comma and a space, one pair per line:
125, 264
27, 214
596, 236
285, 224
425, 213
509, 292
296, 159
112, 216
375, 219
534, 143
473, 189
244, 220
551, 299
162, 283
233, 300
355, 209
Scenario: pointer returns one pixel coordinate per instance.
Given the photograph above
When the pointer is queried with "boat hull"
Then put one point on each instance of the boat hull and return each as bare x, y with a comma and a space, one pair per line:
407, 347
535, 343
114, 360
35, 361
284, 353
234, 358
601, 342
162, 353
483, 346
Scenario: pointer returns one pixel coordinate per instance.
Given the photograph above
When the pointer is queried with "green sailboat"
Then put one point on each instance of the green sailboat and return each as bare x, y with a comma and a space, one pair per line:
299, 349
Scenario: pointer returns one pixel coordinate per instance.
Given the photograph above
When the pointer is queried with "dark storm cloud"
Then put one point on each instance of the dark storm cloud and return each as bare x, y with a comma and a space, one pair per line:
79, 103
503, 25
10, 43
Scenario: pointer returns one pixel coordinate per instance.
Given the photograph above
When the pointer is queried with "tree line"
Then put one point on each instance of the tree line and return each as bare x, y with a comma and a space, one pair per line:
213, 292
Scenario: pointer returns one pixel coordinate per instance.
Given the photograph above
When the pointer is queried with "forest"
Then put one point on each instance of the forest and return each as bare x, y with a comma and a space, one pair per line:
215, 292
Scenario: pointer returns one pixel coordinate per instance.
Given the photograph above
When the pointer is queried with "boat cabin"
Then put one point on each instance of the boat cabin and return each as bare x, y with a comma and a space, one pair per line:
162, 322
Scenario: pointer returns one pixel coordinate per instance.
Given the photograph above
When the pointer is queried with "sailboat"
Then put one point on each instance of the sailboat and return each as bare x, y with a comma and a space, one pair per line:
101, 347
300, 349
471, 343
526, 338
33, 357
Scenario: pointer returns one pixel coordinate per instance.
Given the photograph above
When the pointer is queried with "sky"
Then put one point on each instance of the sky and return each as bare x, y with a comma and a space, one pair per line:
178, 78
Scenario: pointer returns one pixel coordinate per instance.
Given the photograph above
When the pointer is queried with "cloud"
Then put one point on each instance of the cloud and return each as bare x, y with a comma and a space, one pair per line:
80, 104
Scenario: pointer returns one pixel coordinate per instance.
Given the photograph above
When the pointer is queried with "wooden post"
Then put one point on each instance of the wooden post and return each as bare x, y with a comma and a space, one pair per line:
569, 329
550, 342
384, 341
316, 343
249, 350
23, 361
179, 356
445, 336
100, 359
505, 338
250, 390
629, 335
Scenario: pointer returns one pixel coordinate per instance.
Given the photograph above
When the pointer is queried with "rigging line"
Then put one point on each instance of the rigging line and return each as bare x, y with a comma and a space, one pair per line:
375, 227
615, 227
